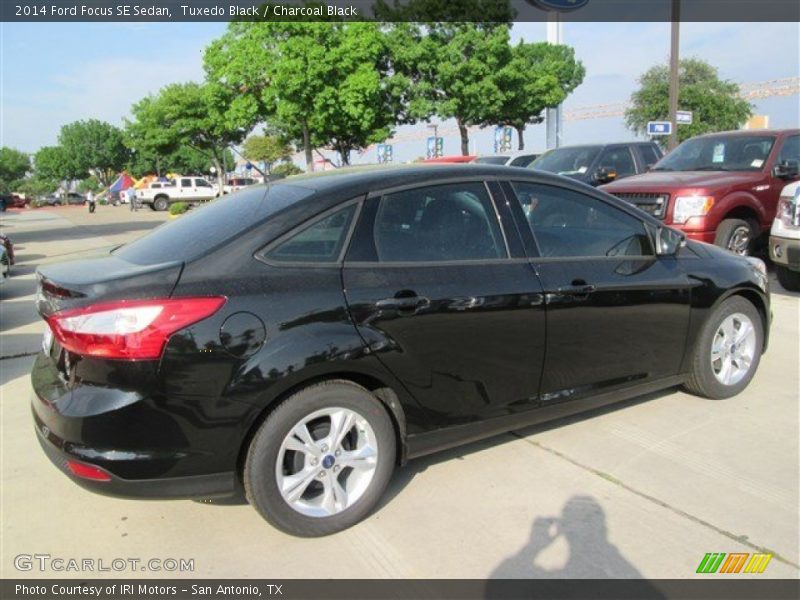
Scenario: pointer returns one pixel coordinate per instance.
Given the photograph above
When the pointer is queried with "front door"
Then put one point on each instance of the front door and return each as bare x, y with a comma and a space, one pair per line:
617, 314
438, 298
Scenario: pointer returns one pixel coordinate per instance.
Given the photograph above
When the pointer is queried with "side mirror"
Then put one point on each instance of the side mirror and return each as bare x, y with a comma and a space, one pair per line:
787, 169
605, 175
669, 241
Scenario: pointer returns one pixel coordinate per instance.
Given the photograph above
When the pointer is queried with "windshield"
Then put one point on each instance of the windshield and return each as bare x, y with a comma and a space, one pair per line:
567, 161
209, 225
491, 160
719, 153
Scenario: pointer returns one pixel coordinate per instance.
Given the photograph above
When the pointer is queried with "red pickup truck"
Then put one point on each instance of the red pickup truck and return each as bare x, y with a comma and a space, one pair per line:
720, 188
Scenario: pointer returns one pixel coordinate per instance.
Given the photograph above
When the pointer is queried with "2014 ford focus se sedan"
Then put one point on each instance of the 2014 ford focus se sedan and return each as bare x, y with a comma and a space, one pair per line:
302, 341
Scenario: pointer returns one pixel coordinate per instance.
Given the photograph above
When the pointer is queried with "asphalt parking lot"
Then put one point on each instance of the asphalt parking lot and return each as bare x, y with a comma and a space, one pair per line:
645, 489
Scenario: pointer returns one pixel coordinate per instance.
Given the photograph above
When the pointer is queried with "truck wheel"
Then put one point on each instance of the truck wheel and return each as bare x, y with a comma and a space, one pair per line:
727, 351
321, 460
161, 203
736, 235
789, 280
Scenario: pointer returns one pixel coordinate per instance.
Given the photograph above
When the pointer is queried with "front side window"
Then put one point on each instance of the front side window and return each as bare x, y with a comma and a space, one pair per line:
791, 149
202, 183
567, 224
649, 155
438, 223
321, 242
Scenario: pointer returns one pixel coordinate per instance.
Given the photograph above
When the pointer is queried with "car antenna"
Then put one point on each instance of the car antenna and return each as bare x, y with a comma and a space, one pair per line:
239, 154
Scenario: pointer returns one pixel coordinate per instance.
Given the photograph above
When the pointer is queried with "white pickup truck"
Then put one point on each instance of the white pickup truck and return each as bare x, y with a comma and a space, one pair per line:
160, 194
784, 239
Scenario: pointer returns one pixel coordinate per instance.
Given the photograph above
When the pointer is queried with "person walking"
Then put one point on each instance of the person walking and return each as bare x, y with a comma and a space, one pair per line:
130, 196
90, 200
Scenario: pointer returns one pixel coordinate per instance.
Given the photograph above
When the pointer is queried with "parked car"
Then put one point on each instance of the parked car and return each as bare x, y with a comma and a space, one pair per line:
335, 326
457, 158
720, 188
784, 241
67, 198
159, 195
13, 201
237, 183
8, 246
522, 158
596, 164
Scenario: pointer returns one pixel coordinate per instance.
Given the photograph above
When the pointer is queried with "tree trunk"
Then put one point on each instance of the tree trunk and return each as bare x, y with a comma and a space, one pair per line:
308, 149
521, 137
462, 129
220, 167
344, 155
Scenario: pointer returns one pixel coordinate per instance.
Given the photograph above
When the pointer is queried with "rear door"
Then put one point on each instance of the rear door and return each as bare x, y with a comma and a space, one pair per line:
617, 315
446, 299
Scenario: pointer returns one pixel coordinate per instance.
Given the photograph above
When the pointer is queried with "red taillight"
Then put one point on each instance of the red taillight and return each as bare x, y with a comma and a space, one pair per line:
85, 471
129, 329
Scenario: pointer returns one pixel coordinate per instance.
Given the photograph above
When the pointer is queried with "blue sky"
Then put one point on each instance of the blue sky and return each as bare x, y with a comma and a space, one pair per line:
55, 73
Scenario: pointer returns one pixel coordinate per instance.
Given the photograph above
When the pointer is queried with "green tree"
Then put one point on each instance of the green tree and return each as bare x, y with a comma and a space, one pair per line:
188, 114
321, 83
89, 184
93, 148
714, 102
265, 148
37, 185
53, 163
537, 76
452, 70
286, 169
13, 167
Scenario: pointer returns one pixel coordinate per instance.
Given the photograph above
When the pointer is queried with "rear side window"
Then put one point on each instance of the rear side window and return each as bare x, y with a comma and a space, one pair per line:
205, 227
571, 224
186, 183
320, 242
438, 223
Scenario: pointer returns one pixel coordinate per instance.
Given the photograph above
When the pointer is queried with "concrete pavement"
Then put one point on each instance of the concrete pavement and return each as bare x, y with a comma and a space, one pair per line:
645, 489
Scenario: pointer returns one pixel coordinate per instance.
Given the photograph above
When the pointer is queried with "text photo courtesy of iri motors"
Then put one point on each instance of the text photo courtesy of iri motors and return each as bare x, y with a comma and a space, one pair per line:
400, 299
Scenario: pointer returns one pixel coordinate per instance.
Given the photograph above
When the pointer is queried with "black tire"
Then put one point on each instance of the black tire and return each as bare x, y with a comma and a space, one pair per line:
260, 484
789, 280
728, 231
702, 381
160, 203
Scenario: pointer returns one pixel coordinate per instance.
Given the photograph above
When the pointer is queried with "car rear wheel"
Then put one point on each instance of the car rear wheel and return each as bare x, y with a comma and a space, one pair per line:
737, 235
161, 203
728, 350
321, 460
789, 280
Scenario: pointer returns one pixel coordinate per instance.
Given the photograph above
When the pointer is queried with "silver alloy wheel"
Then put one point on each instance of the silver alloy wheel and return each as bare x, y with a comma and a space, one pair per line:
733, 349
326, 462
739, 242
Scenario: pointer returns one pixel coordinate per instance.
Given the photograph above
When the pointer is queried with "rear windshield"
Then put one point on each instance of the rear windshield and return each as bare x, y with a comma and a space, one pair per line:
209, 225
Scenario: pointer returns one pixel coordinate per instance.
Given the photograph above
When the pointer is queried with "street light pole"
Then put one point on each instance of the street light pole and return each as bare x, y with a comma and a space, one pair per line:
673, 72
555, 33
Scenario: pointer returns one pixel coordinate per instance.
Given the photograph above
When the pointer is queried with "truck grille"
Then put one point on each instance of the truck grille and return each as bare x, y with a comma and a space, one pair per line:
654, 204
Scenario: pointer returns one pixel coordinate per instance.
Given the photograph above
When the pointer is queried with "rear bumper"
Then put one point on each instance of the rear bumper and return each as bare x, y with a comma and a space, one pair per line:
785, 252
196, 486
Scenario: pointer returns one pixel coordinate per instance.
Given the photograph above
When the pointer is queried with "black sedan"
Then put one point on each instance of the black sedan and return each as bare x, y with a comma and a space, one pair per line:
333, 327
68, 198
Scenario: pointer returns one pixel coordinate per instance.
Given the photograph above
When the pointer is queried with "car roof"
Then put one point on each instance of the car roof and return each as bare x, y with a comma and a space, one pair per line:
748, 132
355, 181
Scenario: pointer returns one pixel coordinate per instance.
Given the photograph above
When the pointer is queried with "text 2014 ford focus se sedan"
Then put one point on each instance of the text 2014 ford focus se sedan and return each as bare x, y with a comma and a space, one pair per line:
303, 339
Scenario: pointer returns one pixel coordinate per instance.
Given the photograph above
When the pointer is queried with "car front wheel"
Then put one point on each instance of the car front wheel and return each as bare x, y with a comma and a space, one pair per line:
728, 350
737, 235
321, 460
